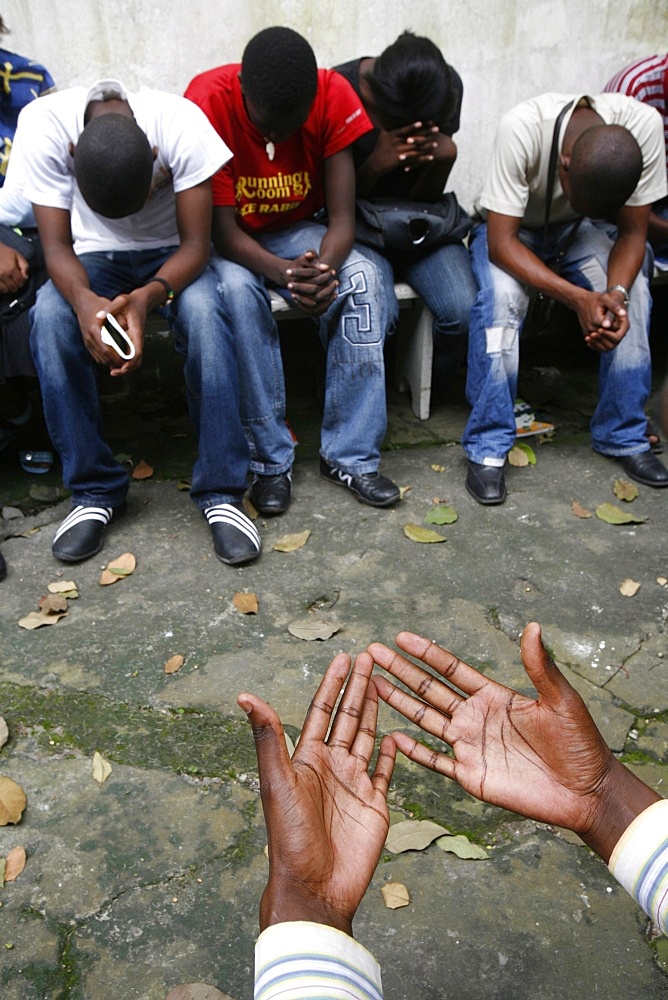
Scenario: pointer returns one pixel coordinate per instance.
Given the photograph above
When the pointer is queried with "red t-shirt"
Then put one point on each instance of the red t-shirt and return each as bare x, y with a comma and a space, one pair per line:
269, 194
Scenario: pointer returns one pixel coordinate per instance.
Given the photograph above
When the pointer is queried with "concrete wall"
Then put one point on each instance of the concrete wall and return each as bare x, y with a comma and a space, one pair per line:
504, 50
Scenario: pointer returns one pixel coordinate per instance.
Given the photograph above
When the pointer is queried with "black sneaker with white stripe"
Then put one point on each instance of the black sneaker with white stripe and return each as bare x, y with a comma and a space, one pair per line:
80, 535
370, 487
235, 537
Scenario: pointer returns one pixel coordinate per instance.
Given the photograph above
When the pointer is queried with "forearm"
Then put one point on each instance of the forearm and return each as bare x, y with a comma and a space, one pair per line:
241, 248
626, 258
514, 257
621, 799
310, 961
337, 241
281, 903
639, 862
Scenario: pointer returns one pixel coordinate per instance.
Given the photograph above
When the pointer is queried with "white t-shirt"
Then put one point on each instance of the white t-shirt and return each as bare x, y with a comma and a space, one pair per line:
516, 182
189, 152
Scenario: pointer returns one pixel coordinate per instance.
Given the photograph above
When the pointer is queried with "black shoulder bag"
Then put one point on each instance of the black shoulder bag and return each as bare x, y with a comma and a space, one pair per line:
415, 226
541, 306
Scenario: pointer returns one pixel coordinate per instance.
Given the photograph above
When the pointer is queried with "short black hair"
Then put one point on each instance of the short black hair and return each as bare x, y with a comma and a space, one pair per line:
411, 81
113, 165
278, 71
605, 167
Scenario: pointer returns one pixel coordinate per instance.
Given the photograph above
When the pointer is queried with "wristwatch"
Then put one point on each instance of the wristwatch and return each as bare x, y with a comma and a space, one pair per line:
620, 288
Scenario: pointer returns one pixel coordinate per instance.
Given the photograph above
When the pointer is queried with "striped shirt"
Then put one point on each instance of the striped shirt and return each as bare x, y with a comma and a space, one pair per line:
647, 81
305, 961
640, 862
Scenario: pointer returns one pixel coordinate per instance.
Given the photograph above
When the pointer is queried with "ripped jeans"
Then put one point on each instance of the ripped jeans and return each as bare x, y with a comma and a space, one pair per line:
352, 332
618, 426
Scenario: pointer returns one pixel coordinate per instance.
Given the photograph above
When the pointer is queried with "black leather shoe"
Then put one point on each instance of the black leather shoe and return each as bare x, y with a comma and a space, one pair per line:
271, 495
486, 483
645, 468
235, 537
370, 488
3, 567
80, 535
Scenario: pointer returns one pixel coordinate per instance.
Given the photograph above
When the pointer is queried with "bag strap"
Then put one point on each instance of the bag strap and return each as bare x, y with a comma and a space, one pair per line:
552, 171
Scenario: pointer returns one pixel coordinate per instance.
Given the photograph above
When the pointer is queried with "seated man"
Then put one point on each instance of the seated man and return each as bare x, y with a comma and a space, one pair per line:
290, 126
647, 80
610, 165
122, 197
414, 100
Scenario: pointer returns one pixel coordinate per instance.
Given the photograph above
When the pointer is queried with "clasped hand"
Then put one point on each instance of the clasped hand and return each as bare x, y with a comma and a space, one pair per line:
603, 319
312, 283
91, 319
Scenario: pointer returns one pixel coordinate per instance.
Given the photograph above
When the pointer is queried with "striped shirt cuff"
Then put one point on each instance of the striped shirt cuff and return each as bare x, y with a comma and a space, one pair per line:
640, 862
305, 960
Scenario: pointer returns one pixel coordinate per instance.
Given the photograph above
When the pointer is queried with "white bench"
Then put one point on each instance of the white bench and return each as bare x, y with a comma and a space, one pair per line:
415, 346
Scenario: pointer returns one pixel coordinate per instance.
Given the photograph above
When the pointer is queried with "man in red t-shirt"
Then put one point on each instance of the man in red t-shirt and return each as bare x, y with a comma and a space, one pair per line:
290, 127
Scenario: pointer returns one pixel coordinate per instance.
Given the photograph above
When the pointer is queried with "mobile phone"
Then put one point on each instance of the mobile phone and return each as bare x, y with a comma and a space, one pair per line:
113, 335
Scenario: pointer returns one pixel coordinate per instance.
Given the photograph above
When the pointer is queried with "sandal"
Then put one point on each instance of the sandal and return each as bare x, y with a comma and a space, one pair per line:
36, 462
655, 442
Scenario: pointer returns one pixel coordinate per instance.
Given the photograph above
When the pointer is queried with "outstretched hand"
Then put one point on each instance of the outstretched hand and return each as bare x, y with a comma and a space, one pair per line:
543, 758
327, 819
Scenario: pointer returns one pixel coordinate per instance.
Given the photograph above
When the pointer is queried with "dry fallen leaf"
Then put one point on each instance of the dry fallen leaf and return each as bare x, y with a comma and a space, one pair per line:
624, 490
36, 618
196, 991
52, 604
412, 835
117, 569
64, 587
403, 490
579, 510
417, 533
395, 895
246, 603
313, 628
101, 768
142, 470
437, 468
183, 485
250, 509
12, 801
661, 580
290, 543
2, 872
174, 663
518, 457
4, 732
613, 515
629, 588
462, 847
15, 863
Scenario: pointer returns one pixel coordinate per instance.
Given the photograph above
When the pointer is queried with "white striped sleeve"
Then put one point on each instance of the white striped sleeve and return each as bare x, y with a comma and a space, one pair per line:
640, 862
304, 961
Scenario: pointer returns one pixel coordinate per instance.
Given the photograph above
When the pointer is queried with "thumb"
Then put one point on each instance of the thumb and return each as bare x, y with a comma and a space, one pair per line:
270, 747
541, 669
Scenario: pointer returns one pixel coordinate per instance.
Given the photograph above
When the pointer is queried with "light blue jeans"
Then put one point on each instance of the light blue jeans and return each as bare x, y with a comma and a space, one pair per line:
619, 423
444, 281
352, 332
68, 378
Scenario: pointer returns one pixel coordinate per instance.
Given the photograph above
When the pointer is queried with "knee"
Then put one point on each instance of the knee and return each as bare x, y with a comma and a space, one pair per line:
54, 329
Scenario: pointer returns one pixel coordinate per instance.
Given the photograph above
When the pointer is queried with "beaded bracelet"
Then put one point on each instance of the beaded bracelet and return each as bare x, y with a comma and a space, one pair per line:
166, 285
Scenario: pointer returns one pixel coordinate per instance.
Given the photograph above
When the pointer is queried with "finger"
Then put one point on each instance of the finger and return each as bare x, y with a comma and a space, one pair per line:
419, 681
364, 742
445, 663
382, 775
421, 754
319, 715
270, 748
544, 674
427, 718
346, 722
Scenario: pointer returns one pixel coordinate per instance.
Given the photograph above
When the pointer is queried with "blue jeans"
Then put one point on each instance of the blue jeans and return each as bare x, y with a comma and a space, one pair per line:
444, 281
68, 378
619, 424
352, 332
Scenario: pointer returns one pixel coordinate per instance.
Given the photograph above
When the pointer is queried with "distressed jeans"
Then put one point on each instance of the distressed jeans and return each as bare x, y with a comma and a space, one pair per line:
619, 423
352, 332
68, 378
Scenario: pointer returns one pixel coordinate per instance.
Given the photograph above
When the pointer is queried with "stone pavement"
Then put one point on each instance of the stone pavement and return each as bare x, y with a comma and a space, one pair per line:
152, 879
